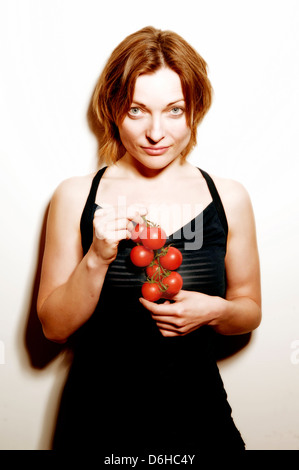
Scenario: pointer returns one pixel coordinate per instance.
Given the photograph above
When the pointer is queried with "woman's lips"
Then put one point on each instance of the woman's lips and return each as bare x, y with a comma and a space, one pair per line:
155, 150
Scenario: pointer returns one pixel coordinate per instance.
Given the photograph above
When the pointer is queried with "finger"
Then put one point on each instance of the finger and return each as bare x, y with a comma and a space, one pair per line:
105, 213
113, 230
168, 333
136, 215
118, 224
98, 212
166, 326
137, 208
110, 213
130, 227
175, 320
166, 308
117, 236
116, 232
167, 320
177, 297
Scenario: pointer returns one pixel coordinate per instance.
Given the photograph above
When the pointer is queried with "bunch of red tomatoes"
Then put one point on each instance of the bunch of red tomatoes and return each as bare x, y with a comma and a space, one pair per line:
160, 261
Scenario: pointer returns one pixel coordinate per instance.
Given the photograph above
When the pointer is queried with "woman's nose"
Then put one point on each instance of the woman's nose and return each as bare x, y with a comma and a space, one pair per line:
155, 131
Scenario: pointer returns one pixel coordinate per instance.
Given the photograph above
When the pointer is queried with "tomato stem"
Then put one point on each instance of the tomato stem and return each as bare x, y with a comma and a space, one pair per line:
160, 274
149, 223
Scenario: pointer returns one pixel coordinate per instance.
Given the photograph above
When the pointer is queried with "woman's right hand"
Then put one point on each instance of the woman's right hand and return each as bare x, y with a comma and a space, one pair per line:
111, 225
71, 282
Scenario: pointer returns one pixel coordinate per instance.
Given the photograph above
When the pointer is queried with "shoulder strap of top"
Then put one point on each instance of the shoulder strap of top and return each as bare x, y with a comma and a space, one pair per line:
216, 199
95, 184
86, 227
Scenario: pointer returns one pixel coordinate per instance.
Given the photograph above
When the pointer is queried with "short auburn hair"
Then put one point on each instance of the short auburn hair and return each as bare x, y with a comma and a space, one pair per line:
144, 52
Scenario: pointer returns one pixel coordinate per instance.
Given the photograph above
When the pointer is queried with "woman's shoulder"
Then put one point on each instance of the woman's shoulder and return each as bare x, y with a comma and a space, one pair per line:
71, 194
234, 196
74, 187
229, 188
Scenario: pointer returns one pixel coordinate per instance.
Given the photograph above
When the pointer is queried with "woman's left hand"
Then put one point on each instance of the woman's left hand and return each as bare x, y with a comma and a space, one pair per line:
188, 311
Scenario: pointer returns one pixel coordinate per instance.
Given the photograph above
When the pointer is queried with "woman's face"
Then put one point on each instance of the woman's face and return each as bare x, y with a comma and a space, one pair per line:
155, 130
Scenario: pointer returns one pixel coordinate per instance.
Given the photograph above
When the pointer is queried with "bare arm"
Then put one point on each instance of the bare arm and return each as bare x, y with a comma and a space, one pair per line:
241, 311
71, 283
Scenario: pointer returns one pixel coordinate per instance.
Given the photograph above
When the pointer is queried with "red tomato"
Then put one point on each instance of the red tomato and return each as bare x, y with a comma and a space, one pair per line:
172, 260
141, 256
153, 271
174, 283
153, 238
151, 291
137, 233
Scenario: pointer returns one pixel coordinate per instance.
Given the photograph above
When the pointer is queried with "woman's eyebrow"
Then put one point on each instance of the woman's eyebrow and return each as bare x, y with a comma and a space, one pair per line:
177, 101
169, 104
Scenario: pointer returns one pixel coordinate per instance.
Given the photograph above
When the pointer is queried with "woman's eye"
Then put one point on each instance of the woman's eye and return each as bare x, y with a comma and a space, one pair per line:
177, 111
134, 111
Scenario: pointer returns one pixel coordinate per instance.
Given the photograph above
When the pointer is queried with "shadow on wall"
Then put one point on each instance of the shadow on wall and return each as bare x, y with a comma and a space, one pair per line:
40, 350
227, 346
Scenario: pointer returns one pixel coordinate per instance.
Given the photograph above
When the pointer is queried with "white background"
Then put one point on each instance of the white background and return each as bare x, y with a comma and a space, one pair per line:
52, 52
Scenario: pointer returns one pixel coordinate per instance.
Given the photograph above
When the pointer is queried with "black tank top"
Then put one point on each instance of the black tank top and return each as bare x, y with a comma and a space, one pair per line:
144, 390
213, 227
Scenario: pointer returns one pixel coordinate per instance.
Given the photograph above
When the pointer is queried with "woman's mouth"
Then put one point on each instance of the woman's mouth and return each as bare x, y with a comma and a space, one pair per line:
155, 150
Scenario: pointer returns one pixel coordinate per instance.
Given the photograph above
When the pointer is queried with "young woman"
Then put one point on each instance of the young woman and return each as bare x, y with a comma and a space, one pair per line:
144, 377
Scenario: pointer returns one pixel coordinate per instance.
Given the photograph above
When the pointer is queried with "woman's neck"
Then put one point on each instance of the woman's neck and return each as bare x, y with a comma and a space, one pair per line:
131, 168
